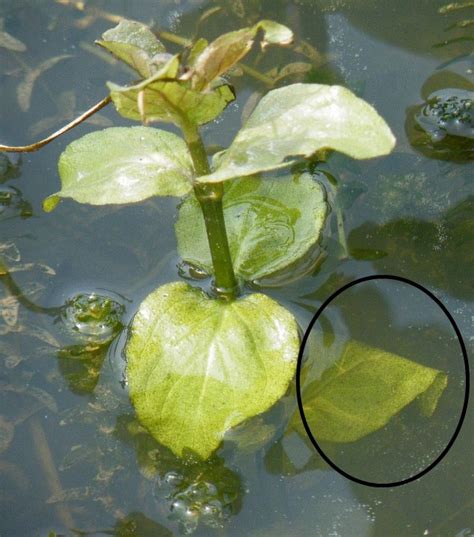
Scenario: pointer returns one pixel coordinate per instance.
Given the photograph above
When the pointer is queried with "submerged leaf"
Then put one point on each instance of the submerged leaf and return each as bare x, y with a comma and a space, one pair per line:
302, 119
363, 390
123, 165
7, 432
25, 88
220, 55
198, 366
270, 224
135, 44
9, 42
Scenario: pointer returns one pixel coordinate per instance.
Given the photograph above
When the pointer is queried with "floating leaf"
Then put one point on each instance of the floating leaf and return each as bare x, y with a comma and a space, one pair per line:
170, 100
220, 55
25, 88
270, 224
302, 119
135, 44
198, 366
123, 165
363, 390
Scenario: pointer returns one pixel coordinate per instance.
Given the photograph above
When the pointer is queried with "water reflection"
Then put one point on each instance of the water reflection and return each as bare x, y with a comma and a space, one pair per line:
438, 254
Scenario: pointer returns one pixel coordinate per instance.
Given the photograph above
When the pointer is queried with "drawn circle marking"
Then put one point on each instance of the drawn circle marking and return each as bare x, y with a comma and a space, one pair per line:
466, 391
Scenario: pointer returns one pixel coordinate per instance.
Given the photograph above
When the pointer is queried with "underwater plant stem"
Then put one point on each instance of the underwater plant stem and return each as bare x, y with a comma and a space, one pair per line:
210, 196
46, 459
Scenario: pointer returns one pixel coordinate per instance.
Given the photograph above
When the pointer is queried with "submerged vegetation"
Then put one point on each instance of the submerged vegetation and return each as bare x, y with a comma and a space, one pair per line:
210, 355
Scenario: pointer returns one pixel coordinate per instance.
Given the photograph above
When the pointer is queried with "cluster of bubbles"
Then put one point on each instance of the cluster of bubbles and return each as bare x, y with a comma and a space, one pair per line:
443, 126
448, 114
193, 503
92, 317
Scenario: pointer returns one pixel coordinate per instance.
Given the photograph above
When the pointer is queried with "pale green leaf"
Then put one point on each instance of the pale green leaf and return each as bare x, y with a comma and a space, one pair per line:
299, 120
135, 44
123, 165
271, 224
363, 390
220, 55
198, 366
173, 101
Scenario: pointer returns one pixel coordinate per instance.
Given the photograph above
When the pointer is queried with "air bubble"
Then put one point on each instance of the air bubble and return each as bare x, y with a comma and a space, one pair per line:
92, 317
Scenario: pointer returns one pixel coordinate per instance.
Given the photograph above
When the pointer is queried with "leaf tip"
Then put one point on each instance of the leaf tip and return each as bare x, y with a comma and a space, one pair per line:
50, 203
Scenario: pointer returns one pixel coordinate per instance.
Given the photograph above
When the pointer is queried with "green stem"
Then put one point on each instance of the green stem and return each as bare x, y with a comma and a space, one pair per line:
210, 196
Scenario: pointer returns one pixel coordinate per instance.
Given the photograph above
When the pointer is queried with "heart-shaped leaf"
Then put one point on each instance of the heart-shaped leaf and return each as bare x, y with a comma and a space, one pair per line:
123, 165
220, 55
363, 390
302, 119
270, 224
198, 366
135, 44
173, 101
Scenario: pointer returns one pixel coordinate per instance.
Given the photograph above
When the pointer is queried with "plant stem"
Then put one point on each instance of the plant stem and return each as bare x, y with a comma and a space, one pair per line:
210, 199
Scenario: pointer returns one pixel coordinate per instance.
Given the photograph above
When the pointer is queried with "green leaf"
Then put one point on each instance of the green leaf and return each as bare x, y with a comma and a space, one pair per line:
302, 119
220, 55
123, 165
173, 101
270, 224
135, 44
198, 366
363, 390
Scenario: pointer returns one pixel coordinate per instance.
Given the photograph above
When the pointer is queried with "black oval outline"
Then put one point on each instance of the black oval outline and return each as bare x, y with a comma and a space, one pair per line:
466, 391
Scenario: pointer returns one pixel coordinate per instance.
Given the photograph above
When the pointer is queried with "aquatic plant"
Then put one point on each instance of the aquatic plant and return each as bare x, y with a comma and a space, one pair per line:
201, 362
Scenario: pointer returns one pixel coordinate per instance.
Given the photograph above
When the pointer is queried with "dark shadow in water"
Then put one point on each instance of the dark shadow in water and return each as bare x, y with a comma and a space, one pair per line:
437, 254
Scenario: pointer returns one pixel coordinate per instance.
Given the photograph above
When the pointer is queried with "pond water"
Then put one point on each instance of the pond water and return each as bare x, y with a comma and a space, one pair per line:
73, 458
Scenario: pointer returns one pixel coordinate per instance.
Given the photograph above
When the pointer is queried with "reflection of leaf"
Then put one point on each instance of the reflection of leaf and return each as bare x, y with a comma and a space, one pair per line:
199, 366
100, 169
363, 390
302, 119
25, 88
367, 254
270, 224
81, 365
438, 254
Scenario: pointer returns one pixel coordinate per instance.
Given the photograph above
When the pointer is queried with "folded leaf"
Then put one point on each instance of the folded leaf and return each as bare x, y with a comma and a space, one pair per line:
220, 55
123, 165
270, 224
363, 390
170, 100
198, 366
299, 120
135, 44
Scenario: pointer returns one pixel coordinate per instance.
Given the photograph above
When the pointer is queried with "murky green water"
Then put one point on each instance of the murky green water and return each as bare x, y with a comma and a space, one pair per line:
71, 453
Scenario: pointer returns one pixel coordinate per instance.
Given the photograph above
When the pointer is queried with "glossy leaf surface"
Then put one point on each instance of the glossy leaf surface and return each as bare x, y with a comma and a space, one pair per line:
123, 165
299, 120
173, 101
224, 52
198, 366
271, 224
363, 390
135, 44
